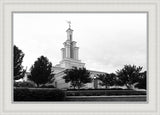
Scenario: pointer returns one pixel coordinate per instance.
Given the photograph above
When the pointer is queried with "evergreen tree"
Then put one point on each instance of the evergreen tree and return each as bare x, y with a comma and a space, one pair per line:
18, 59
41, 71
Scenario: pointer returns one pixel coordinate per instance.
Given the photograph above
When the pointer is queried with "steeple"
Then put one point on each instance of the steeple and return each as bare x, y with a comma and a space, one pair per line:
69, 31
70, 51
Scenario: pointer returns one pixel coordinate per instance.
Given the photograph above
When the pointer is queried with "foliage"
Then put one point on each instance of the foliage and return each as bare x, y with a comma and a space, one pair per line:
77, 77
142, 81
107, 79
128, 75
38, 94
97, 89
47, 86
103, 92
24, 84
41, 71
18, 59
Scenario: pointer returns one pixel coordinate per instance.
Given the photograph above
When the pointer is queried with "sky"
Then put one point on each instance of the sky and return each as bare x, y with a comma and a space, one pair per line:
106, 41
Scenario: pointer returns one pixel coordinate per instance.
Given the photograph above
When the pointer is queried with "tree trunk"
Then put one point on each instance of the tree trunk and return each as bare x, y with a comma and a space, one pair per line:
79, 88
79, 85
37, 85
129, 86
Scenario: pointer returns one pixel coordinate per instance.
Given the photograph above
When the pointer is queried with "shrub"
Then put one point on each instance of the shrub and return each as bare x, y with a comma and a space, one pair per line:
104, 92
97, 89
47, 86
38, 94
24, 84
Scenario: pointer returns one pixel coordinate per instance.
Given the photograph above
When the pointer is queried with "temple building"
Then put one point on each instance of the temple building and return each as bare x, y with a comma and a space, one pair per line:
70, 59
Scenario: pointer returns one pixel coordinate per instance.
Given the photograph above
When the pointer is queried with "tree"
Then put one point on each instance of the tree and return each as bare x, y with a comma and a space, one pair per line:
18, 59
41, 71
142, 81
128, 75
107, 79
77, 76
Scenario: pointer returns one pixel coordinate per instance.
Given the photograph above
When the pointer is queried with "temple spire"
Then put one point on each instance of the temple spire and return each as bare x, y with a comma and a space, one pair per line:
69, 32
69, 22
70, 51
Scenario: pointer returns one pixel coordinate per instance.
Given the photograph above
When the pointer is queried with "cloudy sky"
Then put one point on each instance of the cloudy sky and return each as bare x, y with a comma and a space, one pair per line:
107, 41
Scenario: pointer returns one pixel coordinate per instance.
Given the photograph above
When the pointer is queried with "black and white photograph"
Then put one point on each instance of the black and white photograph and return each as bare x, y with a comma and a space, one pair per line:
80, 57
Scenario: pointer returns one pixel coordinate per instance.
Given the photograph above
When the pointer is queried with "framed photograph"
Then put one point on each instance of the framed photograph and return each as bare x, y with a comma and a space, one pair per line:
79, 57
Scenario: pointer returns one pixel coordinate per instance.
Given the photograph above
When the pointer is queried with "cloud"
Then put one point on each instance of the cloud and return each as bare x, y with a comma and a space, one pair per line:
107, 41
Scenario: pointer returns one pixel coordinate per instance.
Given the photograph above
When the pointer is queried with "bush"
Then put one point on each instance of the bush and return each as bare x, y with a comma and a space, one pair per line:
47, 86
24, 84
38, 94
104, 92
97, 89
141, 86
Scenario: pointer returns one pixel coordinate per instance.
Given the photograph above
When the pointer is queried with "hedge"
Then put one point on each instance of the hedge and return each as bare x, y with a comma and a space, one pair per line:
24, 84
38, 94
104, 92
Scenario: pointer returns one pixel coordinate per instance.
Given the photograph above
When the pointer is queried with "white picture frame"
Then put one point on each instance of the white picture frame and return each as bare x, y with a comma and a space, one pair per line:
152, 7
